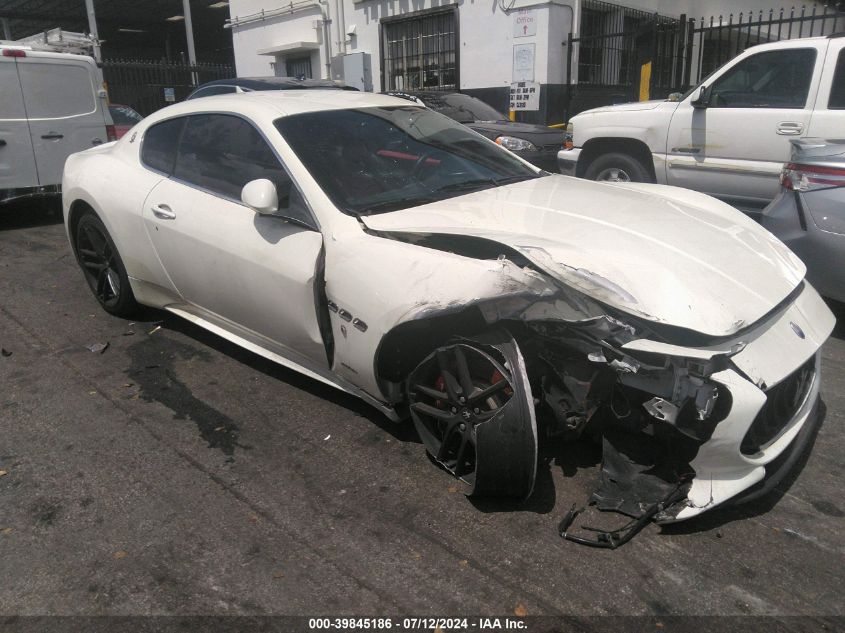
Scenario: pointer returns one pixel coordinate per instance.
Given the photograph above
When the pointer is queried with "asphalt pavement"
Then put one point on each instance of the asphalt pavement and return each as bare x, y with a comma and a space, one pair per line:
174, 473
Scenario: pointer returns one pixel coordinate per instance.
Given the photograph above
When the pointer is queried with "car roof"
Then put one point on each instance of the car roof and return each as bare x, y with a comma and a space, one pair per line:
274, 83
275, 103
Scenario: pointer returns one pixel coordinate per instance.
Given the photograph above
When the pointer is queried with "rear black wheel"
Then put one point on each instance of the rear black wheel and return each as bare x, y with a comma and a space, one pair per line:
102, 266
472, 406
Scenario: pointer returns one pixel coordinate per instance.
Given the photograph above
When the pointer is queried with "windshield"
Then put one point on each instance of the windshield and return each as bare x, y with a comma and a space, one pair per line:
462, 108
374, 160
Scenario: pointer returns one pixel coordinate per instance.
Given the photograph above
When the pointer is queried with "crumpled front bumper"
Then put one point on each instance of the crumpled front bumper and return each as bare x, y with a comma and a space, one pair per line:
773, 354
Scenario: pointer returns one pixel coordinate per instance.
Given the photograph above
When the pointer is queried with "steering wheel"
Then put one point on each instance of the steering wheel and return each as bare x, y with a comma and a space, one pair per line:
420, 162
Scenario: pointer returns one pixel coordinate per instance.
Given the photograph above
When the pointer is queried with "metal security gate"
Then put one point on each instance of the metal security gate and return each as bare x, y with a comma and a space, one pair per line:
143, 85
419, 51
722, 38
625, 54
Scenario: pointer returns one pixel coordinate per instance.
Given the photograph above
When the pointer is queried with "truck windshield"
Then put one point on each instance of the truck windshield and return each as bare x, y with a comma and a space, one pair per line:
376, 160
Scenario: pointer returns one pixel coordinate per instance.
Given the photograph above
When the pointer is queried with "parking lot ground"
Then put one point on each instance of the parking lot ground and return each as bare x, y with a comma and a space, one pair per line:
175, 473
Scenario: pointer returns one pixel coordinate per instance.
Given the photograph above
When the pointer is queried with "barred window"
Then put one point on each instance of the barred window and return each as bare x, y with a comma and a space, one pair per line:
419, 53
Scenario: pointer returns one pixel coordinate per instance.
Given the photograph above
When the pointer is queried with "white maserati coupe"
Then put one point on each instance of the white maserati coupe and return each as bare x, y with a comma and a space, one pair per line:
386, 250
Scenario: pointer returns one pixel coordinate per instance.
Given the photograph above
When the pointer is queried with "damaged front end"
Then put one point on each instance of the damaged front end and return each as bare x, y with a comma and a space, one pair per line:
683, 427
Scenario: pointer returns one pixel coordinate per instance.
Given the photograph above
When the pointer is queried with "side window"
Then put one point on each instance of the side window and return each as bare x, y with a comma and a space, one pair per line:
774, 79
837, 90
53, 91
159, 146
221, 153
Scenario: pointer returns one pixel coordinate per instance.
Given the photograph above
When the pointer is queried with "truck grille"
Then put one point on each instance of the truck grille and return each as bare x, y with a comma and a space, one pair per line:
782, 403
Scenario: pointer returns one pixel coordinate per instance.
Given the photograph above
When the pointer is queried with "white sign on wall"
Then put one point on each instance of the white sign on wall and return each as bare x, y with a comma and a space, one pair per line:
523, 62
525, 23
170, 95
525, 95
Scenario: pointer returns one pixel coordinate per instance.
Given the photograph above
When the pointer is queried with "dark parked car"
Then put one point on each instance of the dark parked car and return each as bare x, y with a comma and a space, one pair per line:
124, 118
809, 214
537, 144
249, 84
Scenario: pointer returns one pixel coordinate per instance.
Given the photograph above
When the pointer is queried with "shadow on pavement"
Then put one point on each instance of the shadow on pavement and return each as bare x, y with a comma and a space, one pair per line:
28, 213
838, 310
400, 431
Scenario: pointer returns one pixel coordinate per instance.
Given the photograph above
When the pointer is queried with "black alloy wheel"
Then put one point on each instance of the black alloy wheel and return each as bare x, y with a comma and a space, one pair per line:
102, 266
472, 413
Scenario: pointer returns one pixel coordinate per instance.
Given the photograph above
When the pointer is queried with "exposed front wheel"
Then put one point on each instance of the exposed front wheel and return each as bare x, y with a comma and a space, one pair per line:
473, 409
617, 167
102, 266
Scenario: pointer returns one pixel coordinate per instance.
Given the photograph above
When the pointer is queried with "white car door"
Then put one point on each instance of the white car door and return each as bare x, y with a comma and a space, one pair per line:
735, 147
64, 109
17, 161
240, 269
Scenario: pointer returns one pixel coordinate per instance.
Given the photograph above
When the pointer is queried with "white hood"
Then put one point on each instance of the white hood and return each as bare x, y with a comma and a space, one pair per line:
663, 253
629, 107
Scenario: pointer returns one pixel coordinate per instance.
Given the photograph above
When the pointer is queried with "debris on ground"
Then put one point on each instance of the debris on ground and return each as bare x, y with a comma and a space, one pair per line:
98, 348
130, 331
5, 352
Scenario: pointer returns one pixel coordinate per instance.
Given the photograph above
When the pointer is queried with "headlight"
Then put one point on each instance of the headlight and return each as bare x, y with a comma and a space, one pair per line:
515, 144
567, 136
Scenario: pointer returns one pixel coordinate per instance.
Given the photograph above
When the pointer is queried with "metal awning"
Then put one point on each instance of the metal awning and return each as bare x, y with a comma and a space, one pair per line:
290, 47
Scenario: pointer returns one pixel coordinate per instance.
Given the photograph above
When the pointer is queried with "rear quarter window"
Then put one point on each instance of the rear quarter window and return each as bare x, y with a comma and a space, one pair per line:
158, 150
53, 91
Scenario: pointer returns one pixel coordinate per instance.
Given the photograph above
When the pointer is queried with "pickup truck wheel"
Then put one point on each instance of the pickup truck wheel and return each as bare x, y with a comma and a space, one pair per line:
617, 167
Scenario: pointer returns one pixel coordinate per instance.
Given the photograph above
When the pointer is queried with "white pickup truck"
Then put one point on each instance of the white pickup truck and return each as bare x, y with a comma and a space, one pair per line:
727, 137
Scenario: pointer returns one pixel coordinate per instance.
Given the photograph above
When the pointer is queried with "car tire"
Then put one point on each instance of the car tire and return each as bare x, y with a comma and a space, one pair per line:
102, 266
472, 406
617, 167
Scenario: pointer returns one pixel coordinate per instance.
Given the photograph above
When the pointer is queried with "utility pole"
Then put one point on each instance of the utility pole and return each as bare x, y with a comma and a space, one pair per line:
92, 27
189, 34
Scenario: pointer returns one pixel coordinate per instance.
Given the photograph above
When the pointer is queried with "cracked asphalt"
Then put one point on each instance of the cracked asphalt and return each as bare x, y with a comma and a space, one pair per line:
175, 473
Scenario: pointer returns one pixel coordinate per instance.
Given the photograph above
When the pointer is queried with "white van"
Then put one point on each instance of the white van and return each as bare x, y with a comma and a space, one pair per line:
51, 105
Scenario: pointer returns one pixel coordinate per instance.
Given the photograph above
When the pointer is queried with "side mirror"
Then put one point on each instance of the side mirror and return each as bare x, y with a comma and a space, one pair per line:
260, 195
702, 99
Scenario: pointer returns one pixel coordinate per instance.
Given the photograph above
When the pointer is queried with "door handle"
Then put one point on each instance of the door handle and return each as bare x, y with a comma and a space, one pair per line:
52, 136
163, 212
790, 128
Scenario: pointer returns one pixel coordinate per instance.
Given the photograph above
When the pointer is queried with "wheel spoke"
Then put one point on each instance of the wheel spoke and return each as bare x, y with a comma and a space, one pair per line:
85, 252
463, 372
97, 266
489, 391
447, 436
459, 463
430, 392
452, 387
434, 412
95, 240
